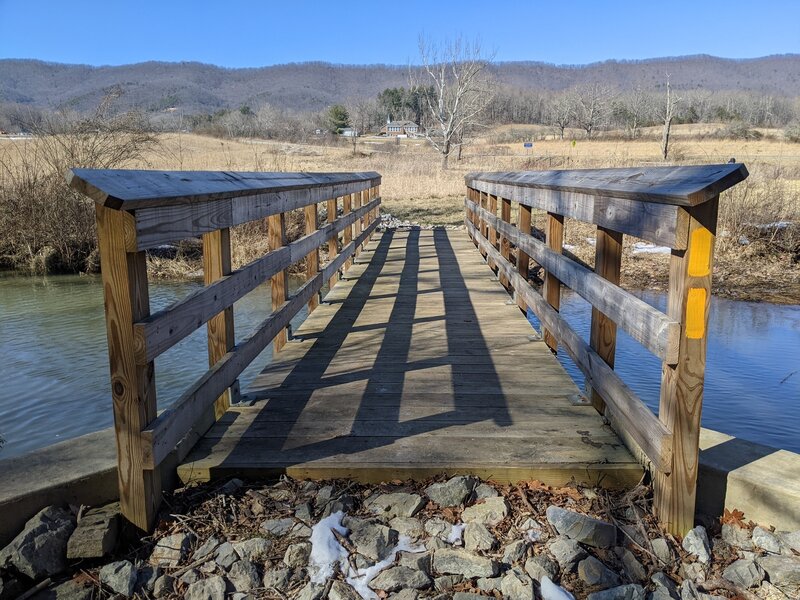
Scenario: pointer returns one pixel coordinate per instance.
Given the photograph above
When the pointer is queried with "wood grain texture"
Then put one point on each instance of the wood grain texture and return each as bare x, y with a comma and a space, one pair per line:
333, 242
312, 258
554, 238
347, 236
505, 243
523, 258
279, 282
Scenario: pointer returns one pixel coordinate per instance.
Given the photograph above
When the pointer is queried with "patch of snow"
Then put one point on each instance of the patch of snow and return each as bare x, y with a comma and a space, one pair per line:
360, 580
534, 534
569, 247
645, 248
551, 591
592, 241
744, 240
775, 225
326, 550
456, 533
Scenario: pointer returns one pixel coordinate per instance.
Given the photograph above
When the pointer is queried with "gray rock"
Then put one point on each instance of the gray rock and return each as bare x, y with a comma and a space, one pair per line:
398, 578
40, 549
567, 553
484, 490
791, 539
212, 588
692, 571
276, 578
147, 577
344, 503
226, 555
190, 576
243, 576
398, 504
629, 532
515, 552
744, 573
517, 585
255, 549
446, 582
478, 537
420, 561
489, 584
373, 540
435, 543
232, 486
408, 526
296, 555
164, 586
689, 591
783, 572
582, 528
662, 550
766, 540
467, 596
303, 512
736, 536
633, 568
534, 532
664, 589
341, 591
437, 527
630, 591
169, 551
452, 492
206, 549
461, 562
696, 543
119, 576
661, 579
767, 591
489, 512
324, 496
278, 527
540, 566
69, 590
96, 534
401, 595
594, 573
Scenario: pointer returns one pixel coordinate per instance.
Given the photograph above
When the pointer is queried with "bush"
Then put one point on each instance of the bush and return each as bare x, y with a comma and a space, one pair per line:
792, 132
739, 130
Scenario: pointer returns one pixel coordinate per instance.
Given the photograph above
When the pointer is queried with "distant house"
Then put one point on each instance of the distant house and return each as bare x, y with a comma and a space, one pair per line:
401, 129
349, 132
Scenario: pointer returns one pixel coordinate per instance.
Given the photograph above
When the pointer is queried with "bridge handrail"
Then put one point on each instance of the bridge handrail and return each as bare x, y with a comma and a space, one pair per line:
137, 210
671, 206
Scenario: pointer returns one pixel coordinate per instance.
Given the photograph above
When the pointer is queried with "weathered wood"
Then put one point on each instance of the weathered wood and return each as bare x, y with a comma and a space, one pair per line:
647, 430
312, 258
492, 207
654, 330
523, 258
278, 282
681, 399
347, 237
333, 242
133, 389
358, 226
505, 244
221, 338
554, 238
603, 336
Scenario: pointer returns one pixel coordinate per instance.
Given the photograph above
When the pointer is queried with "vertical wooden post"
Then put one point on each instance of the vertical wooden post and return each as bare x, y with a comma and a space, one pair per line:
523, 260
333, 243
491, 201
482, 227
348, 231
554, 236
221, 339
505, 243
277, 238
357, 225
603, 337
681, 398
376, 212
133, 391
312, 259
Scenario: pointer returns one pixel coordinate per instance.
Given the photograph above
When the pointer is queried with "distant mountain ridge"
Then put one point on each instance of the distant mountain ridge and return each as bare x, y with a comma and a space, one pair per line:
197, 87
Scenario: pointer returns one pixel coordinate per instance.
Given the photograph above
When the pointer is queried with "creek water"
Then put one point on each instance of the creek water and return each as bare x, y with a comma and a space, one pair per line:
54, 370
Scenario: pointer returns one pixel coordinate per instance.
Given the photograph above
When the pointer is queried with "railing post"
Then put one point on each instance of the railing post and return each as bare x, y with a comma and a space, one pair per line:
492, 202
523, 260
277, 238
221, 339
348, 231
481, 223
312, 259
603, 337
133, 391
358, 201
376, 213
554, 236
333, 243
505, 243
681, 398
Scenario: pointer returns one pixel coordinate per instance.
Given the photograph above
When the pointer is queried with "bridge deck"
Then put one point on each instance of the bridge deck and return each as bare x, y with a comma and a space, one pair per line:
416, 365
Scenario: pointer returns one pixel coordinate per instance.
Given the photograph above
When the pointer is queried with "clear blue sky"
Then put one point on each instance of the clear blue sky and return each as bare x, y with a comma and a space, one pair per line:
233, 33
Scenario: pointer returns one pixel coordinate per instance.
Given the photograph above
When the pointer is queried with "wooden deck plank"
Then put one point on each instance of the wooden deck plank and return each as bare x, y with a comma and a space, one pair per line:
416, 363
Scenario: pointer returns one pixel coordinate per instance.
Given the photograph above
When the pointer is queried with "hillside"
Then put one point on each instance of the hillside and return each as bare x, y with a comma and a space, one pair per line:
196, 87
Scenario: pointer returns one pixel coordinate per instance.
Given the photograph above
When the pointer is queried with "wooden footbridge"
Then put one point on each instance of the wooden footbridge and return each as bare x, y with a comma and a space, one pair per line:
419, 359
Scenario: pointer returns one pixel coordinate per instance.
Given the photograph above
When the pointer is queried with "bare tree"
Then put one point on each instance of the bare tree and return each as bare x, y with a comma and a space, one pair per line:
592, 107
561, 112
457, 72
668, 114
637, 109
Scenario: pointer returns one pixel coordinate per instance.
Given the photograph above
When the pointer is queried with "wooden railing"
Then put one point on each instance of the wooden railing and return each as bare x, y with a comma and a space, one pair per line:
669, 206
139, 210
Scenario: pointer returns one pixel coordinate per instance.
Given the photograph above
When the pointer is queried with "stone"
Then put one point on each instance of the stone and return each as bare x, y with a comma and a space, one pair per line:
736, 536
69, 590
489, 584
164, 586
489, 511
373, 540
206, 549
460, 562
119, 576
324, 496
662, 550
453, 492
744, 573
534, 532
568, 553
766, 540
278, 527
212, 588
767, 591
661, 579
398, 504
96, 534
40, 549
478, 537
232, 486
146, 577
517, 585
296, 555
226, 556
421, 561
170, 550
341, 591
633, 568
435, 543
303, 512
398, 578
791, 539
344, 503
594, 573
582, 528
243, 576
783, 572
401, 595
467, 596
664, 589
692, 571
446, 582
515, 552
630, 591
437, 527
484, 490
696, 543
190, 576
540, 566
689, 591
408, 526
255, 549
276, 578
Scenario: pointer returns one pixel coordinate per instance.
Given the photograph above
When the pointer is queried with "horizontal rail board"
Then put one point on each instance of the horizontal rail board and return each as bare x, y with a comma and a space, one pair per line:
167, 327
625, 406
662, 224
681, 186
167, 430
648, 326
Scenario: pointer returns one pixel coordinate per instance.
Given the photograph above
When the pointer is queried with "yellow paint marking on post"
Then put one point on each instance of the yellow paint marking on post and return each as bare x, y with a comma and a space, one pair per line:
700, 253
696, 314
